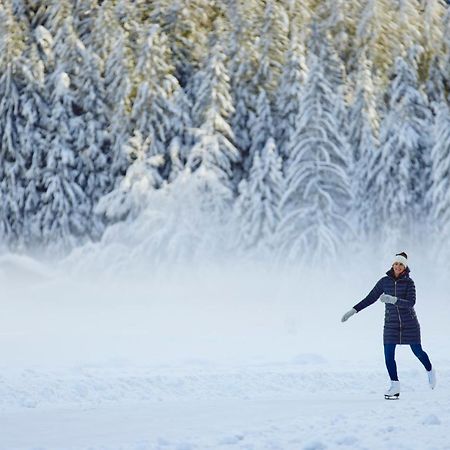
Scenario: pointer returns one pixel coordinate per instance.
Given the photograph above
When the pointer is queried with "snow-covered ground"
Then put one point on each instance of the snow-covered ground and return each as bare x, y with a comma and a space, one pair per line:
218, 358
266, 407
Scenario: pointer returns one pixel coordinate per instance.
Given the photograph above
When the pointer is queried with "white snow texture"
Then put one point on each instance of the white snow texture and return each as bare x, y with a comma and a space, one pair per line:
223, 357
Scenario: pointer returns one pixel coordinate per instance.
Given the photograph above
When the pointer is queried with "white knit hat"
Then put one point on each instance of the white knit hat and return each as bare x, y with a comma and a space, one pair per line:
401, 258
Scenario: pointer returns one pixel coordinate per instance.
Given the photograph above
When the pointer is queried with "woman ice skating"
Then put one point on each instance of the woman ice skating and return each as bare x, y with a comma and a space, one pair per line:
398, 292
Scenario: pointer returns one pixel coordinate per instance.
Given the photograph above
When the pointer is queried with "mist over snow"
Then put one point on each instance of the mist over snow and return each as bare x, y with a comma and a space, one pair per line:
234, 312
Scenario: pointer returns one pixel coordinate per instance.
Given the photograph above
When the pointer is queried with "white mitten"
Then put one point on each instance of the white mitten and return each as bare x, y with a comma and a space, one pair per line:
348, 314
386, 298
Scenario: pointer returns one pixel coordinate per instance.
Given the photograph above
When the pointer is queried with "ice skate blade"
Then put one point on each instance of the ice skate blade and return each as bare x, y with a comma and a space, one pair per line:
392, 397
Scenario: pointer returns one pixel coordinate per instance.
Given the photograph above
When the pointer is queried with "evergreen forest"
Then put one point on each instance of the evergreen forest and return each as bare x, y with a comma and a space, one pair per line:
289, 129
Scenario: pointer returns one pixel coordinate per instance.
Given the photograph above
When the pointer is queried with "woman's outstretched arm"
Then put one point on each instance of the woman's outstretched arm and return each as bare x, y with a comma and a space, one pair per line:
371, 298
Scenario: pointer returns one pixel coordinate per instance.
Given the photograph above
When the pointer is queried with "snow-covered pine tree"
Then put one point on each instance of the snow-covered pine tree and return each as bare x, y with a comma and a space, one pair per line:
13, 161
56, 13
288, 98
257, 208
131, 194
254, 123
300, 13
23, 12
84, 14
410, 24
261, 125
435, 82
420, 24
69, 52
186, 25
322, 44
213, 153
315, 206
432, 15
364, 108
334, 71
65, 213
45, 44
377, 36
33, 135
89, 117
104, 33
174, 17
117, 96
403, 173
31, 14
242, 17
182, 132
245, 92
363, 141
440, 174
336, 19
176, 77
151, 112
242, 68
275, 43
129, 16
160, 119
446, 50
93, 152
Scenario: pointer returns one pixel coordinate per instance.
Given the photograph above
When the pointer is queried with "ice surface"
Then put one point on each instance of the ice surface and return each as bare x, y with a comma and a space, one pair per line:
224, 356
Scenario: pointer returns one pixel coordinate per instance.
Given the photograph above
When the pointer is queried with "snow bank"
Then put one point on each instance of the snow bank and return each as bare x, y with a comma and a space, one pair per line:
14, 267
222, 408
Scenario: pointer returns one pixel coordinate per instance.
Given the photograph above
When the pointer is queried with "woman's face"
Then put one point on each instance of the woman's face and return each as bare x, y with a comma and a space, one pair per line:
398, 268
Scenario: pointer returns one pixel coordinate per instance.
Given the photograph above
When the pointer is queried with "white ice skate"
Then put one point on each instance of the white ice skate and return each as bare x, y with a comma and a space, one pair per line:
431, 378
393, 393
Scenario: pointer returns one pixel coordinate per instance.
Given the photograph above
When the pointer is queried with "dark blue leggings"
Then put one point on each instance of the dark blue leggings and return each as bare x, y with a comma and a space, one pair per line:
389, 356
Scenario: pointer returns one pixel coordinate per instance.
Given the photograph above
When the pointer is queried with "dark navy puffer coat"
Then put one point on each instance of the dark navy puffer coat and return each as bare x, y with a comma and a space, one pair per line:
400, 321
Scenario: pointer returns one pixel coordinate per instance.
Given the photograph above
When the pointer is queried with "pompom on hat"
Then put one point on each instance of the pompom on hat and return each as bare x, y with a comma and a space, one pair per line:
401, 258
